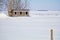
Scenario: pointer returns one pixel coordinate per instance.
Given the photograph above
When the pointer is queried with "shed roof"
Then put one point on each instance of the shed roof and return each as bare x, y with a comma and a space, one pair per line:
20, 10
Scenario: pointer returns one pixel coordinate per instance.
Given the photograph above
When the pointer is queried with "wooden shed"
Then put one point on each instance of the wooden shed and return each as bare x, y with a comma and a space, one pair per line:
16, 13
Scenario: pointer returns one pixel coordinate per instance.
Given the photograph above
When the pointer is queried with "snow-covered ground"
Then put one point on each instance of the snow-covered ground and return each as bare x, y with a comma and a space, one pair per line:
34, 27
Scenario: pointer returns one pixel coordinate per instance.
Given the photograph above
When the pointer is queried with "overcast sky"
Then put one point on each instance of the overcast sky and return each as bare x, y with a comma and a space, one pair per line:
40, 5
45, 4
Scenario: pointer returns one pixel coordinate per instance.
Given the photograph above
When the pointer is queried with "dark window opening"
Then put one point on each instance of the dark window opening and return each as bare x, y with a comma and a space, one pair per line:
15, 13
20, 13
26, 13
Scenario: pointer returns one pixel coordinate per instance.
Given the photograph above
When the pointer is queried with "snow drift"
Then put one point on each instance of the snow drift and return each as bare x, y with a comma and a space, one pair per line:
35, 27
